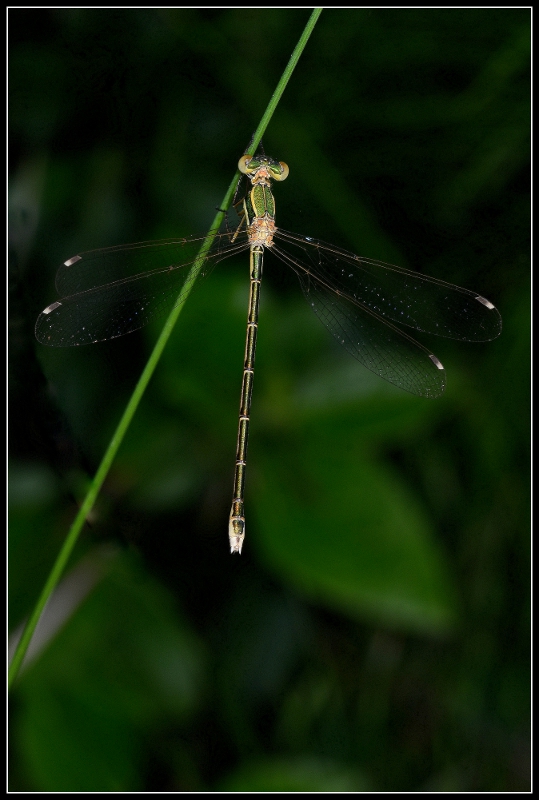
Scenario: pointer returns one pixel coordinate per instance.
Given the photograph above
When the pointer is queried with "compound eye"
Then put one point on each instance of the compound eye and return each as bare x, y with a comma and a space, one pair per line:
284, 172
242, 164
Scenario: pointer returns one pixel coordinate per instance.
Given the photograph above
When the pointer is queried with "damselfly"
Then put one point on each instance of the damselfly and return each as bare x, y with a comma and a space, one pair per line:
110, 292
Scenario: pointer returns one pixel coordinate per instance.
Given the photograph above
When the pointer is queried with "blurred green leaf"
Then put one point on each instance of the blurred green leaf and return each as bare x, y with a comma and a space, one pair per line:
294, 775
348, 532
121, 667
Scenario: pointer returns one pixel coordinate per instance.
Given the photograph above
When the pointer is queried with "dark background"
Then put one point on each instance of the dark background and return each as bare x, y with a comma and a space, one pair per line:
374, 634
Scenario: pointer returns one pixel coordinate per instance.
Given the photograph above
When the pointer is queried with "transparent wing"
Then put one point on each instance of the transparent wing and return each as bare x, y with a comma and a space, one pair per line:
111, 292
402, 296
376, 343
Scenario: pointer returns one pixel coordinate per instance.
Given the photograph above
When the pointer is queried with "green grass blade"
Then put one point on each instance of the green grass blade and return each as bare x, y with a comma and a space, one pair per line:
147, 373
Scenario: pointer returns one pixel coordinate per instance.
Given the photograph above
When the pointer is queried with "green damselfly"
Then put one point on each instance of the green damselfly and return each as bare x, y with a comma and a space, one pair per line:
110, 292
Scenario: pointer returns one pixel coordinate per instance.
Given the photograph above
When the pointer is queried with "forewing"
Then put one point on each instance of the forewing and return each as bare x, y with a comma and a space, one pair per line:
401, 296
102, 298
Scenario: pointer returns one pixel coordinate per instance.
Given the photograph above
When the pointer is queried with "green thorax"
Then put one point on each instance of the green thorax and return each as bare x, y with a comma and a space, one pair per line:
260, 202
